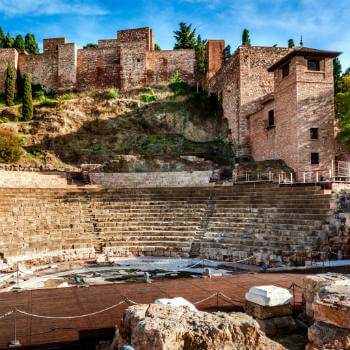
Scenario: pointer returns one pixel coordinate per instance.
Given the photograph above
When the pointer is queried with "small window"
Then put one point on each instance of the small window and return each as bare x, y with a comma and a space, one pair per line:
285, 71
138, 60
56, 47
314, 133
271, 118
314, 158
313, 65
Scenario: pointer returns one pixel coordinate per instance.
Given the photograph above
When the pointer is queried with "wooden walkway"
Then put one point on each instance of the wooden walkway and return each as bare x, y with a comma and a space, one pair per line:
77, 301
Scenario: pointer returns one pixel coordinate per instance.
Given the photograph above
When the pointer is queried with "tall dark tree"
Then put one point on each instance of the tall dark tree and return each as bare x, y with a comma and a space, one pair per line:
19, 43
10, 85
246, 38
226, 54
31, 45
200, 65
185, 37
9, 41
19, 83
90, 46
291, 43
336, 74
27, 100
2, 38
157, 47
347, 72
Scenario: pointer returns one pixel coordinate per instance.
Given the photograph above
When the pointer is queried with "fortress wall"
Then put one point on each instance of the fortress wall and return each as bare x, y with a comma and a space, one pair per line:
27, 179
133, 65
157, 179
161, 65
98, 67
43, 68
67, 66
7, 56
144, 35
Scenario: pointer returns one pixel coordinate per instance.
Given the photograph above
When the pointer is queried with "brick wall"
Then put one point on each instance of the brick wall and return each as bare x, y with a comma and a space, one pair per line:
7, 56
144, 35
67, 67
161, 65
52, 44
43, 68
214, 50
98, 68
302, 100
157, 179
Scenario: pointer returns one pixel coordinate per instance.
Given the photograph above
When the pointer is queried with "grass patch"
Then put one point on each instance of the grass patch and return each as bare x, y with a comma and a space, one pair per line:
113, 94
150, 98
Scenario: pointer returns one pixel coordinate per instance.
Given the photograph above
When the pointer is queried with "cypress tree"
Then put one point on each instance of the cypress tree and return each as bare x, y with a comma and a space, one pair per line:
226, 54
291, 43
10, 85
19, 83
2, 38
27, 102
246, 38
157, 47
19, 43
185, 37
200, 66
9, 41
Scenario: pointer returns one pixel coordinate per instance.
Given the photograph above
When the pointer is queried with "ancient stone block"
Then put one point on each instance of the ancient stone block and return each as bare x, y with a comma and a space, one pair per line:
269, 296
263, 312
333, 305
278, 325
325, 336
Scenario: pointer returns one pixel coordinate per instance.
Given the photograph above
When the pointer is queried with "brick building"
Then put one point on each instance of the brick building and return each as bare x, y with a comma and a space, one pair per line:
279, 104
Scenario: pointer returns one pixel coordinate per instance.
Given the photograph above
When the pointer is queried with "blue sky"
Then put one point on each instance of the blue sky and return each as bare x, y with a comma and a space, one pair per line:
324, 24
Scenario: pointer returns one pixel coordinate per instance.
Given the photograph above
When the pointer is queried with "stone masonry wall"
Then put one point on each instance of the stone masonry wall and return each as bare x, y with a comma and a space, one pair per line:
67, 66
98, 68
161, 65
43, 68
157, 179
140, 34
27, 179
214, 53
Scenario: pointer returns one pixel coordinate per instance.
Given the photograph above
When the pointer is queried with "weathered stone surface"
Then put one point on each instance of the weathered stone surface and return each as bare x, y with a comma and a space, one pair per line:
324, 336
333, 305
179, 302
278, 325
263, 312
154, 327
313, 283
269, 296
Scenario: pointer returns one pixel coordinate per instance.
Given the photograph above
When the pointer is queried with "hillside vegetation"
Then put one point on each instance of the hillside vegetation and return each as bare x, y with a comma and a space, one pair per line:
158, 124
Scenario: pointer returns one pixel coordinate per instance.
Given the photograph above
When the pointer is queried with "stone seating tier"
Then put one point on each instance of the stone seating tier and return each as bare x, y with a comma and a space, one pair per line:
224, 223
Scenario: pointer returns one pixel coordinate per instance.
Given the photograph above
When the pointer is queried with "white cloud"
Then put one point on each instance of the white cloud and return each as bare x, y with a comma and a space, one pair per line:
49, 7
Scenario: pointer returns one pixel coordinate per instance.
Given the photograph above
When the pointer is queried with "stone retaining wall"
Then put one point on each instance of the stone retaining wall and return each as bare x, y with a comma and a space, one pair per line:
157, 179
27, 179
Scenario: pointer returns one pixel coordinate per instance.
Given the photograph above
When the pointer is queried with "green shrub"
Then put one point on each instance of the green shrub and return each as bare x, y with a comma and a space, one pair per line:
10, 147
113, 94
180, 88
147, 90
150, 98
175, 77
39, 94
46, 103
27, 105
65, 97
10, 85
30, 155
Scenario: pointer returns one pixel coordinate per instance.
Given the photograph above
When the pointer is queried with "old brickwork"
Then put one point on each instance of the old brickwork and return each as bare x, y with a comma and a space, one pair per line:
126, 62
214, 54
241, 84
303, 100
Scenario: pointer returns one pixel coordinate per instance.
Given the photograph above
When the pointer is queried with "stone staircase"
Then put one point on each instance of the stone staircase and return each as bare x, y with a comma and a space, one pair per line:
267, 221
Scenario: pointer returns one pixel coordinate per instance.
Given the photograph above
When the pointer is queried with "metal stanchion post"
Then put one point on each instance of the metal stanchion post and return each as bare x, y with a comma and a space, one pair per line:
14, 343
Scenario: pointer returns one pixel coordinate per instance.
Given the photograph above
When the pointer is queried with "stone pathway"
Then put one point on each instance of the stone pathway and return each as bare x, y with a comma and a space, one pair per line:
78, 301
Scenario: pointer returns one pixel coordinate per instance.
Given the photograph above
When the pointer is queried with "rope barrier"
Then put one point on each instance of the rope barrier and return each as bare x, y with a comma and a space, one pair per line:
69, 317
228, 298
205, 299
7, 314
